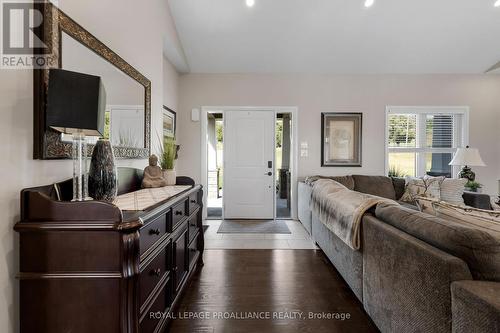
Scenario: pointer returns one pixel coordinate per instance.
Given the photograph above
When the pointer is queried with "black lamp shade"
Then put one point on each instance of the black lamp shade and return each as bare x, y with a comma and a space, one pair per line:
76, 102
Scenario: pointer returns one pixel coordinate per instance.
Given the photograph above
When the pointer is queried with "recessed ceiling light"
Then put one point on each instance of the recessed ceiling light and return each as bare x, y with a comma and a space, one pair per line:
497, 3
250, 3
369, 3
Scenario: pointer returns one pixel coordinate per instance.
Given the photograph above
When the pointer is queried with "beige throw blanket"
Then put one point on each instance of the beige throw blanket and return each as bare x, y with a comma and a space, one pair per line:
341, 209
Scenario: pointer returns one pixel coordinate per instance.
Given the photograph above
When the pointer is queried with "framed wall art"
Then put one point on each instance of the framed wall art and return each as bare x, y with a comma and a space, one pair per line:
169, 122
341, 139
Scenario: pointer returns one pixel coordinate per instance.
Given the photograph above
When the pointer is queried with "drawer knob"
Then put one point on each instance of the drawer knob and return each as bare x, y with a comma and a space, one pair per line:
155, 272
192, 224
154, 231
193, 201
179, 212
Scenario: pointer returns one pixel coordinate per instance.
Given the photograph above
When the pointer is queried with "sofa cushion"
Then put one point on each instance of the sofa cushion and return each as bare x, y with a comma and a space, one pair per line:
375, 185
399, 186
479, 248
347, 181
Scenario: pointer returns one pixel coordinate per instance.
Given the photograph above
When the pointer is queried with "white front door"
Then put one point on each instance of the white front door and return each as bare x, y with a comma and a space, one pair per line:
249, 165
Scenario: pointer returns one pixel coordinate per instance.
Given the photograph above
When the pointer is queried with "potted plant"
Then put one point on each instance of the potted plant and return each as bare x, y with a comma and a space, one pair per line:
395, 172
472, 186
167, 160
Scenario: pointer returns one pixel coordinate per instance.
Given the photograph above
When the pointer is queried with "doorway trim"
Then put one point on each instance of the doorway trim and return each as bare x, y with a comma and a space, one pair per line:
205, 110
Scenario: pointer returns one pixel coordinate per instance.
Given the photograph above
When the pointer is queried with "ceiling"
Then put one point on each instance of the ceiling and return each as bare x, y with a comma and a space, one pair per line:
338, 36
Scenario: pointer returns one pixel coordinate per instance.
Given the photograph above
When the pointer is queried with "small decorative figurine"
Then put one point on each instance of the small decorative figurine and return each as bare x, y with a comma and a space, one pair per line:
153, 175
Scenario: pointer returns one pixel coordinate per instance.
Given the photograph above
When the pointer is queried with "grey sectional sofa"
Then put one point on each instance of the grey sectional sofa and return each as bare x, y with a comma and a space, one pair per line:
415, 272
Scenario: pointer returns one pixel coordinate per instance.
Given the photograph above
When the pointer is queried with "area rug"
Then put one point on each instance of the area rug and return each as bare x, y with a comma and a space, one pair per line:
253, 227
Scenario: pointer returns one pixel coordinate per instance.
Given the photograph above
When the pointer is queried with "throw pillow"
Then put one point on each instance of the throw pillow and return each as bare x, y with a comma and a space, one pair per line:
426, 205
494, 204
429, 187
452, 190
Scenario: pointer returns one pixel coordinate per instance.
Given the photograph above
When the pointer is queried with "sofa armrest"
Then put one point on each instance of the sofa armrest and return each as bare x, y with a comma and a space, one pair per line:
477, 200
475, 306
406, 281
304, 212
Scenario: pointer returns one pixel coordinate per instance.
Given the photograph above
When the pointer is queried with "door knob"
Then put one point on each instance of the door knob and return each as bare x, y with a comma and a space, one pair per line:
269, 173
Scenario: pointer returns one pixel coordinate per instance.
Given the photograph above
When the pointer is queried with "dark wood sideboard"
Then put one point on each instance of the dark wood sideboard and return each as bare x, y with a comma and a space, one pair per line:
89, 267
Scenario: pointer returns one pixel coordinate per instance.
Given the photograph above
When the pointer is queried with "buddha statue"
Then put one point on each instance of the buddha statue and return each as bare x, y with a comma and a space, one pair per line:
153, 174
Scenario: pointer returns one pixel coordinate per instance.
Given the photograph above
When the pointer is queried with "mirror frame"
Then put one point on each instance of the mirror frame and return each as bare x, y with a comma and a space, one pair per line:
47, 143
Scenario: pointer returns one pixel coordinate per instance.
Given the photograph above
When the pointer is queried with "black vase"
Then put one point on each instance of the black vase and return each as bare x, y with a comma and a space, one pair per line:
102, 173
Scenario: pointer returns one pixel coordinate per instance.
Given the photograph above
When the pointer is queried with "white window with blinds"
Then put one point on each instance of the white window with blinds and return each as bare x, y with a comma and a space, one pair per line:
422, 140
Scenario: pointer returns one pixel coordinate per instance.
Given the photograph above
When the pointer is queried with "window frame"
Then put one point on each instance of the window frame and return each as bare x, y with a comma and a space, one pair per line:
420, 163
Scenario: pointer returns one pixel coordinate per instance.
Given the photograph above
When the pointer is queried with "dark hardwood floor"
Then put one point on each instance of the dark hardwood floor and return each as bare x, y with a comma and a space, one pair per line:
263, 283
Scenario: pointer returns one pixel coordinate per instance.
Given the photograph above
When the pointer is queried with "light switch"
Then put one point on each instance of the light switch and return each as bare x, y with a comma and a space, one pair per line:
195, 114
304, 145
303, 153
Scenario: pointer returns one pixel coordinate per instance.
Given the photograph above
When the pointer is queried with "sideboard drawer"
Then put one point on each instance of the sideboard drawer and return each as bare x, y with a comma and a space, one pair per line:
155, 314
193, 227
193, 250
152, 232
178, 213
180, 260
152, 274
193, 203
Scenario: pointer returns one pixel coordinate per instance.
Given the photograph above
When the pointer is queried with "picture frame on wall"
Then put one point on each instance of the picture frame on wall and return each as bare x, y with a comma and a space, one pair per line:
341, 139
169, 122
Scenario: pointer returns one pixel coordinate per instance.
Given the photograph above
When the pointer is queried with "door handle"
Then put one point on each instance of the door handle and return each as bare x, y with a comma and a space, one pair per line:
268, 173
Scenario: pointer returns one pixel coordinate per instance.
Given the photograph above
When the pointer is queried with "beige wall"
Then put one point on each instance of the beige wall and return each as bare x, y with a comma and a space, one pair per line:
314, 94
136, 32
170, 86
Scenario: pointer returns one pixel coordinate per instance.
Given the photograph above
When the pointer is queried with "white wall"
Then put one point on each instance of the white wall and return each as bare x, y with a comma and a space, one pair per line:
136, 32
314, 94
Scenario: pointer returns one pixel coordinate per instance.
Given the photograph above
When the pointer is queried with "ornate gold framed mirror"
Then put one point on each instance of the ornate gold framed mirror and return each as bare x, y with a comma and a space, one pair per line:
128, 106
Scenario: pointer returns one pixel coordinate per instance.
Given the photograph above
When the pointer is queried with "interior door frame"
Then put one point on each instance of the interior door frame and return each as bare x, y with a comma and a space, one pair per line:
205, 110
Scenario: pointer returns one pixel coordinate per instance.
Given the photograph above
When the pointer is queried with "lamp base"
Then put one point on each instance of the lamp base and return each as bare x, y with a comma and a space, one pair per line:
466, 172
80, 175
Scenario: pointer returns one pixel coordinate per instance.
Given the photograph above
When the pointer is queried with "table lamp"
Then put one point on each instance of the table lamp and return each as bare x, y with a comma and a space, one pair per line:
76, 105
467, 157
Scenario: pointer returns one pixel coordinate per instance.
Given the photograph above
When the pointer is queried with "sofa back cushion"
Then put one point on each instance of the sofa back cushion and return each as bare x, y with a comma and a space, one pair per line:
375, 185
478, 247
399, 186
